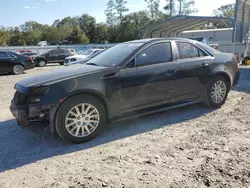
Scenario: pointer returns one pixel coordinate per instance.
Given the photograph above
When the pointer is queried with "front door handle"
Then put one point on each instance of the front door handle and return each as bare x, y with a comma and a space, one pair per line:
171, 73
204, 65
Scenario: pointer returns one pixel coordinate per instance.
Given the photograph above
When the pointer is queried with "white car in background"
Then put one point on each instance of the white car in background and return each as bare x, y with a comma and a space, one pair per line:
82, 55
77, 59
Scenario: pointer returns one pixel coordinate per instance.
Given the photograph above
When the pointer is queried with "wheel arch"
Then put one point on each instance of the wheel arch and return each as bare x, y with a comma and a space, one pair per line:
224, 75
92, 93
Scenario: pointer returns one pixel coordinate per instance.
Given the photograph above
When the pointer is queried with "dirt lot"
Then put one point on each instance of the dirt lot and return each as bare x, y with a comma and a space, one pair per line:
189, 147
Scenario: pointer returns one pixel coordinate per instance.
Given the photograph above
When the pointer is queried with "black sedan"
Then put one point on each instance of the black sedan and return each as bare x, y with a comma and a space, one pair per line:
130, 79
14, 63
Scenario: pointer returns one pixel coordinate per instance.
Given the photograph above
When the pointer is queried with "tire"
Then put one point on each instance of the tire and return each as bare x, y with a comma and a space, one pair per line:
78, 127
61, 63
210, 101
17, 69
41, 63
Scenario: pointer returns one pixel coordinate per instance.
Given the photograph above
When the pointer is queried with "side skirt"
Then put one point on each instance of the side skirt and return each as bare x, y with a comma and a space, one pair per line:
155, 111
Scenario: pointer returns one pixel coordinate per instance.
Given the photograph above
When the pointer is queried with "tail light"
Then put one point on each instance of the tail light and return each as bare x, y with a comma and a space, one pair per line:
217, 47
31, 59
236, 61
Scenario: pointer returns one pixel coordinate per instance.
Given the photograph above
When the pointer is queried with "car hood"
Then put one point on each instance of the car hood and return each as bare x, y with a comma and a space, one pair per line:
59, 75
76, 56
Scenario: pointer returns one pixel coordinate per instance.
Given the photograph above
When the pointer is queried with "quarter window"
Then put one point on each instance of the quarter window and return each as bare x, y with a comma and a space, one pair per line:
158, 53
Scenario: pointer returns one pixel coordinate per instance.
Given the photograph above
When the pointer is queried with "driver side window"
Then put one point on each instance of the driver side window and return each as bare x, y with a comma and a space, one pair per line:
157, 53
52, 52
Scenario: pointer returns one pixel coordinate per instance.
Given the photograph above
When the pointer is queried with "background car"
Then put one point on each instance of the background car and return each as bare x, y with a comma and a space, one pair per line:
52, 56
14, 63
128, 80
82, 55
72, 61
203, 40
65, 42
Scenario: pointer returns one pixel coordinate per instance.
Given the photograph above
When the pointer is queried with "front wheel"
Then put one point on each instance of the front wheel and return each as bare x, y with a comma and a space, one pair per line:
80, 119
17, 69
61, 63
217, 92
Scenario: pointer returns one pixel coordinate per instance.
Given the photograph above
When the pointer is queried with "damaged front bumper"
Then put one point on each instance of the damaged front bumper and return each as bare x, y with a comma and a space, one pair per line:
27, 114
20, 113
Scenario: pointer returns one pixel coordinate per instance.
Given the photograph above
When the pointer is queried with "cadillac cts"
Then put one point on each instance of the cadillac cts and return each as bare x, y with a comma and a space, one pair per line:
130, 79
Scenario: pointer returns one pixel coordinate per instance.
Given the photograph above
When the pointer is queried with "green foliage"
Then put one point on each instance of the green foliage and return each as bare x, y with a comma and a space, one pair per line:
154, 9
3, 37
180, 7
225, 11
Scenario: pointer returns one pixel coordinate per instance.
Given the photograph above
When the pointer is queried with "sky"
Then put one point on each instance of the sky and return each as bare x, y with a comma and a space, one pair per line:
16, 12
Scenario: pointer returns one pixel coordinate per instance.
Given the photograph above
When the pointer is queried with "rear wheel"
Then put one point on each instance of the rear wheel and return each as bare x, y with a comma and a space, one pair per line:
80, 119
217, 92
41, 63
17, 69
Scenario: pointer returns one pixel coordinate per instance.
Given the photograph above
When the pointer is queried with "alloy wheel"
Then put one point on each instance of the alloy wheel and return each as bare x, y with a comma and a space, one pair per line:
218, 92
18, 69
82, 120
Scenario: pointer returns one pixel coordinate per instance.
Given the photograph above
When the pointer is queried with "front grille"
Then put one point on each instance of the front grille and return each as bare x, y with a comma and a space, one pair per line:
19, 98
66, 60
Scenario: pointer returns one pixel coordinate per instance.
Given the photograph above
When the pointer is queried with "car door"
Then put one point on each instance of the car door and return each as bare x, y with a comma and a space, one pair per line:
52, 56
149, 79
6, 61
62, 54
194, 65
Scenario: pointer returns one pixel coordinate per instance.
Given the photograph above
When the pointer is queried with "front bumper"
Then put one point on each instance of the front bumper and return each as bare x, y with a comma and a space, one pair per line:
236, 79
20, 113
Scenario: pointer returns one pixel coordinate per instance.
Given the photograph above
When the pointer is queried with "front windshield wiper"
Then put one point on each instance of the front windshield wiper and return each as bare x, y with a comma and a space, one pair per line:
91, 64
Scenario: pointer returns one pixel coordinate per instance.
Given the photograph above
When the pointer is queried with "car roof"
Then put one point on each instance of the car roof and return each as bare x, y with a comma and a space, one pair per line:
159, 39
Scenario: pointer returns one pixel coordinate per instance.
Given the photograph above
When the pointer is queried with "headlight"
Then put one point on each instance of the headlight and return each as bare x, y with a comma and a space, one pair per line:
39, 91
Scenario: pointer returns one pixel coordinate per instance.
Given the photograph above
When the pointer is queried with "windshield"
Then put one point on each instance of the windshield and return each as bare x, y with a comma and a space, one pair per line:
113, 56
95, 54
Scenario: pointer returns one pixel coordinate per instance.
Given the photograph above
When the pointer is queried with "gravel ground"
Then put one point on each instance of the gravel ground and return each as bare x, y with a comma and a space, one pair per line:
189, 147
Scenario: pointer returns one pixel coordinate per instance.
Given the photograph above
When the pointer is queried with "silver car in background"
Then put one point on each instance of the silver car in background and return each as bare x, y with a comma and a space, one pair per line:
72, 60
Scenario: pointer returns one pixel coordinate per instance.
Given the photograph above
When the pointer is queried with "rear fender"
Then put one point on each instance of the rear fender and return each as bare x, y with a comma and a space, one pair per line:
221, 70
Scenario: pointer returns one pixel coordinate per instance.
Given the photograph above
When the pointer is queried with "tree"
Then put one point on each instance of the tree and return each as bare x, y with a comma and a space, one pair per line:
110, 13
154, 10
225, 10
3, 37
77, 36
170, 7
101, 33
180, 7
51, 34
120, 9
87, 24
186, 7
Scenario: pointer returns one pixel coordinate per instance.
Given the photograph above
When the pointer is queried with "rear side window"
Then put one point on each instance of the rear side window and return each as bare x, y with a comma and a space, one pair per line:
157, 53
53, 52
187, 50
4, 54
